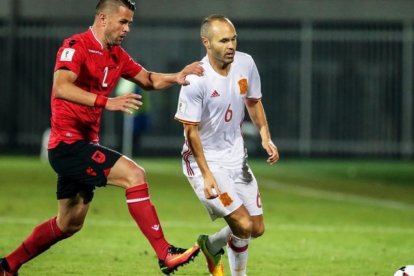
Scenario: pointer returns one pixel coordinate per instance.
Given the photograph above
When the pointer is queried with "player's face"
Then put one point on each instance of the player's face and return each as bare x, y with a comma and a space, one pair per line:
118, 25
223, 42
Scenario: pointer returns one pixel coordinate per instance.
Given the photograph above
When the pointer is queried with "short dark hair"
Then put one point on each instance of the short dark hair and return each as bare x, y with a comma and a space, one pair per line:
102, 4
205, 24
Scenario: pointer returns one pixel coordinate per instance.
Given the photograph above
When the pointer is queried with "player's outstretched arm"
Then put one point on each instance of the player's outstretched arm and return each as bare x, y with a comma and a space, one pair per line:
258, 117
158, 81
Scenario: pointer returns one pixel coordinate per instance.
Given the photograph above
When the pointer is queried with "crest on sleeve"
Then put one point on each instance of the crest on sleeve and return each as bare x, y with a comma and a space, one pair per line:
182, 107
243, 86
67, 54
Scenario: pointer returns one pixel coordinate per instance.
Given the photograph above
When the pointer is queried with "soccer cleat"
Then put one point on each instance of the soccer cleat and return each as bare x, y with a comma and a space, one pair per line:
4, 267
214, 263
177, 257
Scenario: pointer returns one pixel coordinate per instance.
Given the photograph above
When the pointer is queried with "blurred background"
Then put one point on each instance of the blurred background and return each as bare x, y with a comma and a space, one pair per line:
337, 75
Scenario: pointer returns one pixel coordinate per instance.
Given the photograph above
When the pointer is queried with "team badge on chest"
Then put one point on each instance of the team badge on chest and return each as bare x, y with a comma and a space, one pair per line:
243, 86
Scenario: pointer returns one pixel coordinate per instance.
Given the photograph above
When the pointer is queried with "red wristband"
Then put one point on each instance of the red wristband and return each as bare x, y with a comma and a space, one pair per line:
100, 101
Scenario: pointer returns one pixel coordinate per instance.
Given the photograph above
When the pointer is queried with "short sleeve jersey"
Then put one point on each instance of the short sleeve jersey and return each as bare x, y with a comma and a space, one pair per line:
98, 71
217, 104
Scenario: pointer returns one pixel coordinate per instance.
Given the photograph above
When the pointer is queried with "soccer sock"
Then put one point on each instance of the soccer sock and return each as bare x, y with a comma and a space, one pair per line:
218, 240
237, 253
42, 238
143, 212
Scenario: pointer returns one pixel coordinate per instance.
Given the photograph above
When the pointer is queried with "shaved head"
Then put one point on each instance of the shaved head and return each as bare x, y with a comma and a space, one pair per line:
205, 30
113, 5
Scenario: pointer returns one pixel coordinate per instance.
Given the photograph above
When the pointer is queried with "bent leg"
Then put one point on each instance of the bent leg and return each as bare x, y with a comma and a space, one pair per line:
130, 176
240, 223
127, 174
72, 213
46, 234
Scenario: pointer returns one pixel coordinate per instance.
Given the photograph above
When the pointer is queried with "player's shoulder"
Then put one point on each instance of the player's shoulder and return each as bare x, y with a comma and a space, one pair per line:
196, 80
242, 57
76, 40
195, 86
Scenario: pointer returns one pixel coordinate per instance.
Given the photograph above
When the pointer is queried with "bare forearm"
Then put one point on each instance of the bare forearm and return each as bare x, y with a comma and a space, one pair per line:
158, 81
211, 188
258, 117
194, 142
64, 88
70, 92
264, 130
162, 81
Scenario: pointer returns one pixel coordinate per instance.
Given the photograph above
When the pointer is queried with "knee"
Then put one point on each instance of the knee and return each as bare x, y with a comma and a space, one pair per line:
258, 230
245, 227
136, 176
71, 227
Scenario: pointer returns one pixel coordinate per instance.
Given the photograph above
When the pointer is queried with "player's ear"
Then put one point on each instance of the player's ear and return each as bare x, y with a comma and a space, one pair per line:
205, 42
102, 18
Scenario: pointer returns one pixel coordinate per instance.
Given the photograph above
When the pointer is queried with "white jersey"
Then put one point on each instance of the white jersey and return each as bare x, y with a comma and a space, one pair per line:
216, 103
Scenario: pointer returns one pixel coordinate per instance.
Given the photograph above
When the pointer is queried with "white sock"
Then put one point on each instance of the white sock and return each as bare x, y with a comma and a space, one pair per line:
218, 240
237, 253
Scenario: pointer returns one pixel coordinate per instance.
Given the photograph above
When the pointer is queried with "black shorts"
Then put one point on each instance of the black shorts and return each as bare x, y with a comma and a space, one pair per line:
81, 167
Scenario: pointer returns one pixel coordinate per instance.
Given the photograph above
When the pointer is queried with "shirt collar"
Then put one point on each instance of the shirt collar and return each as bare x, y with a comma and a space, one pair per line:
96, 39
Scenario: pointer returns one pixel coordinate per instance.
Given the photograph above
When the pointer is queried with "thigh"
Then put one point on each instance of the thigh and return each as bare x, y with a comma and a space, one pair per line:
226, 203
126, 173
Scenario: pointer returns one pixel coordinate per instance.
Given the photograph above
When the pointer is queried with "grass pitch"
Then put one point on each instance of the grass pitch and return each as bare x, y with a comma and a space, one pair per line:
322, 218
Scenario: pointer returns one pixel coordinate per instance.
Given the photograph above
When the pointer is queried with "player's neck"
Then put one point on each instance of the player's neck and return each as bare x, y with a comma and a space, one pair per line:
99, 36
220, 67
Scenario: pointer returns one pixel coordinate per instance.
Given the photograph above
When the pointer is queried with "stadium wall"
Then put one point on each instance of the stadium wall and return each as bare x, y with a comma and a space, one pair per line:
76, 10
337, 76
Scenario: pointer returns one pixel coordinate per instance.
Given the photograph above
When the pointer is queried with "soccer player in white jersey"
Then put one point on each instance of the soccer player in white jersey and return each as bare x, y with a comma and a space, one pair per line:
212, 110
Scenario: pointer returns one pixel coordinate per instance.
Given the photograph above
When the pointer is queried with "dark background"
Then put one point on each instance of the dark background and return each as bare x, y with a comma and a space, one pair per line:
337, 75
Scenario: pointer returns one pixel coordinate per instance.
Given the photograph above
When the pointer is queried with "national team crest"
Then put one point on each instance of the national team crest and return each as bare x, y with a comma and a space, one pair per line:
243, 86
225, 199
98, 157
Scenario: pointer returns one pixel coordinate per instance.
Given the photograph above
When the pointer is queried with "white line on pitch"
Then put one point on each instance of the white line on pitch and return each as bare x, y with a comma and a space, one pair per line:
335, 196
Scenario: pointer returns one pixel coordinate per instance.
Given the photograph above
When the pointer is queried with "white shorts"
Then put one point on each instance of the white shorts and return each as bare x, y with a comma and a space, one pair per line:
238, 187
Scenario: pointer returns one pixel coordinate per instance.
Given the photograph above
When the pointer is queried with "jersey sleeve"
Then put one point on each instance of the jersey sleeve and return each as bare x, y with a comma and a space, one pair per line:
255, 90
70, 56
190, 101
131, 67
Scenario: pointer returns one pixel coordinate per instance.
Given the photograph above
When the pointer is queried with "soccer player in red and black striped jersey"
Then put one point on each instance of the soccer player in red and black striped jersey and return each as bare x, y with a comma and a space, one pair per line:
88, 66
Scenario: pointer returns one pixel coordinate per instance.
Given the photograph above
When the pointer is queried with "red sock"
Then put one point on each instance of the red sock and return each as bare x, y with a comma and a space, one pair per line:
145, 215
42, 238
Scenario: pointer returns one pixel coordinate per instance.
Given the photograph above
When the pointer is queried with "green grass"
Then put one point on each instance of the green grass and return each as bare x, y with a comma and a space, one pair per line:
322, 218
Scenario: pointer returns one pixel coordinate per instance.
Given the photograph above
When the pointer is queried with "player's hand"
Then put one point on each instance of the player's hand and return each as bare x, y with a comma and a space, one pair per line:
125, 103
272, 151
211, 190
194, 68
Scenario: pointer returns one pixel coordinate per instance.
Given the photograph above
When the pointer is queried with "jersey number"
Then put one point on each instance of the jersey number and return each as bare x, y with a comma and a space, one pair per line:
104, 84
229, 114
